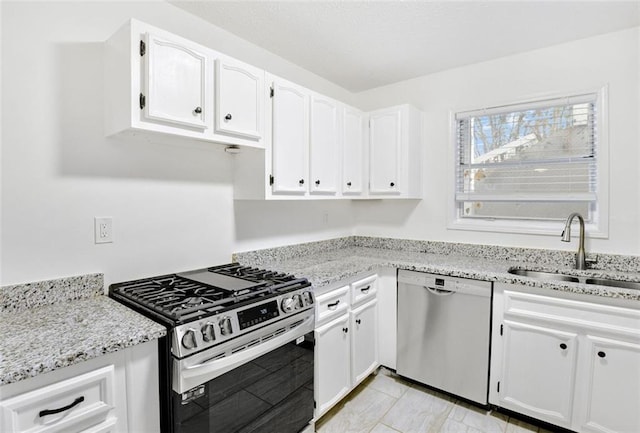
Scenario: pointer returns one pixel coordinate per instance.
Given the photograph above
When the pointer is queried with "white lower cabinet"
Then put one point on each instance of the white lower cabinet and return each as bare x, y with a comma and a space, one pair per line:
387, 283
612, 389
346, 349
572, 363
542, 356
364, 341
117, 392
332, 357
70, 405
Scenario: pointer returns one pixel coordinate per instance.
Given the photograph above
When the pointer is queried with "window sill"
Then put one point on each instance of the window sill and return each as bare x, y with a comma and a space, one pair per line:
547, 228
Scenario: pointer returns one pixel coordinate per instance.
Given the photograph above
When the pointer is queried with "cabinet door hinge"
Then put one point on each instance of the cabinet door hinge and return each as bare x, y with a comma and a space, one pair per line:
270, 179
143, 101
271, 92
501, 329
498, 390
314, 404
143, 48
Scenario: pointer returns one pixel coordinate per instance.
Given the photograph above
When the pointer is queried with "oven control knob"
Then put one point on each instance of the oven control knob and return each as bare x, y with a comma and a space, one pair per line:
287, 305
297, 302
189, 339
225, 325
207, 332
308, 298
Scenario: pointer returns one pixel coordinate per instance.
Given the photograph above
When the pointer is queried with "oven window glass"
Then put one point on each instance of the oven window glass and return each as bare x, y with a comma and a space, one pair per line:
272, 393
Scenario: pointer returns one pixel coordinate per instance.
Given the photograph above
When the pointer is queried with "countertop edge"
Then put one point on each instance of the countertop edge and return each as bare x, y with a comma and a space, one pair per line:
327, 269
110, 326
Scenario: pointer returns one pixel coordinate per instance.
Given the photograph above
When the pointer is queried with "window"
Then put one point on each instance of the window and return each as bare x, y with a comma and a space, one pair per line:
525, 167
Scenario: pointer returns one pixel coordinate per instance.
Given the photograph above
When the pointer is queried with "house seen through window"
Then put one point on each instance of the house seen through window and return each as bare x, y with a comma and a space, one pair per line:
533, 161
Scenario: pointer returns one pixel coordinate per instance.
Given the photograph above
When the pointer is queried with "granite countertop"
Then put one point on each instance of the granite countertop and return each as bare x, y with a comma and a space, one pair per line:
64, 327
325, 266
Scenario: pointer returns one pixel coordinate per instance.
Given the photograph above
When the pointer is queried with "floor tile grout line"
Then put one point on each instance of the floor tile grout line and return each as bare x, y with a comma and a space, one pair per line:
393, 396
379, 421
388, 426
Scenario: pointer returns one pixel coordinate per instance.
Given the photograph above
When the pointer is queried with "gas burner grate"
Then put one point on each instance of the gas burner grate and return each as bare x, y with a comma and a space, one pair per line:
251, 273
190, 295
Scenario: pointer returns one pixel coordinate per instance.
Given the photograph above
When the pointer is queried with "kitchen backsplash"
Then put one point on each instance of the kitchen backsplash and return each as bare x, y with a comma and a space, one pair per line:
555, 258
19, 297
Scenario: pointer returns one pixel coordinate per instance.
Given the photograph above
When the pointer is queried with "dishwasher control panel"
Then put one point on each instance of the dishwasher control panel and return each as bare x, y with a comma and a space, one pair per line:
445, 283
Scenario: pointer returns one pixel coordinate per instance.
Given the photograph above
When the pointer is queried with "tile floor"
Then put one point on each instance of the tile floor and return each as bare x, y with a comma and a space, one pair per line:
386, 403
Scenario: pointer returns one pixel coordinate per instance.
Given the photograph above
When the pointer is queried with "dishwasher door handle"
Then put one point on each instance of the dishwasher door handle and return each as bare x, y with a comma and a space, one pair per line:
439, 292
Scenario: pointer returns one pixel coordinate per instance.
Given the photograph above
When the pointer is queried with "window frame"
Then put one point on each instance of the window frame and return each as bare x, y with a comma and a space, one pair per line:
598, 228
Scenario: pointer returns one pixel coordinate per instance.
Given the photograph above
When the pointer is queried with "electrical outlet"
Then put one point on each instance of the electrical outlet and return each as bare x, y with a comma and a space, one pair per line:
103, 230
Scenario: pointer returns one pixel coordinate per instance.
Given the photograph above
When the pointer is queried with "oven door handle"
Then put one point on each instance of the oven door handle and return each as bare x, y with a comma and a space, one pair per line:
218, 367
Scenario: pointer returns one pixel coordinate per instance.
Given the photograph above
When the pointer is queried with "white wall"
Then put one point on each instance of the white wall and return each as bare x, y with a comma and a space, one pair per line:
172, 206
562, 69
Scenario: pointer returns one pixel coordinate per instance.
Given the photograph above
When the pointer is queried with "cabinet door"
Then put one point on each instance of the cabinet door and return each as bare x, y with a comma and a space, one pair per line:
332, 378
385, 139
364, 343
324, 145
538, 372
175, 83
353, 152
290, 138
611, 401
239, 94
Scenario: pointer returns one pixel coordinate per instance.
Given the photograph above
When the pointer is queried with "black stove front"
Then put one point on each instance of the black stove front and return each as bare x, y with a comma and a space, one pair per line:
269, 394
222, 315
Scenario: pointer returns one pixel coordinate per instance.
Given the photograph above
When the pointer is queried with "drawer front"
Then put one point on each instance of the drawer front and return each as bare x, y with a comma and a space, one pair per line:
364, 290
580, 314
332, 304
71, 405
109, 426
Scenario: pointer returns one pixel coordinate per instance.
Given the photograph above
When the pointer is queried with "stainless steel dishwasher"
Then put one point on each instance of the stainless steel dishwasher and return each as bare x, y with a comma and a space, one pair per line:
443, 333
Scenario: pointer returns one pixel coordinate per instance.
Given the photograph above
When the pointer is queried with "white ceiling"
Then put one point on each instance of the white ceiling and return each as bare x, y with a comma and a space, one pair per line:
360, 45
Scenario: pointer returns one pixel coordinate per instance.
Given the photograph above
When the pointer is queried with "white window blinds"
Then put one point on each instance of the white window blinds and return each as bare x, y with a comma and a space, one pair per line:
543, 151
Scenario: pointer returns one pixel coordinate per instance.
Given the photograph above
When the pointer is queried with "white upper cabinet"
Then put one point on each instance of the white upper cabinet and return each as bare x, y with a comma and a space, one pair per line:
239, 99
290, 137
167, 86
385, 146
353, 151
174, 81
395, 152
324, 145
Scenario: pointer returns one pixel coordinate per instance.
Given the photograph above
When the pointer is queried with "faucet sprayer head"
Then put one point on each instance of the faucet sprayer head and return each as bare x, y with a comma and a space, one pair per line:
566, 232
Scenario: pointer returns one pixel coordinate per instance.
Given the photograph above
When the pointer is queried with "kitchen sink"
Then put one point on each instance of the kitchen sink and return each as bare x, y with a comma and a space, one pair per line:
555, 276
613, 283
542, 275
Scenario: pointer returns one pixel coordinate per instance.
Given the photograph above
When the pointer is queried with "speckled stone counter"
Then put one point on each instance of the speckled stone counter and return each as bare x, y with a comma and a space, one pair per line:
53, 324
327, 262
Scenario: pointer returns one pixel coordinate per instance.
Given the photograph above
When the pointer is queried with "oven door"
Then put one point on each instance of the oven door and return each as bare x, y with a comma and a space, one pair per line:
251, 385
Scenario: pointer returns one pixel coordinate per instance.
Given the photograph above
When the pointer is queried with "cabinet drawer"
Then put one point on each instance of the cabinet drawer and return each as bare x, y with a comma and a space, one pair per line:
71, 405
585, 315
363, 290
332, 304
109, 426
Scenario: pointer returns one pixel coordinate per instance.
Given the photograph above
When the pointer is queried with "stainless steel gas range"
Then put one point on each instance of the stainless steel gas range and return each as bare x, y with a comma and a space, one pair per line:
238, 356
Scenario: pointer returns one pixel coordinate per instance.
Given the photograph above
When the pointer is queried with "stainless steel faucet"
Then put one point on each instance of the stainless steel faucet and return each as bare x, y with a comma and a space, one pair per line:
581, 262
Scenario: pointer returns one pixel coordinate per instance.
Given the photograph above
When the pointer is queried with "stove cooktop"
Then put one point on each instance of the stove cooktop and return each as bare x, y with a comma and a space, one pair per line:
191, 295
